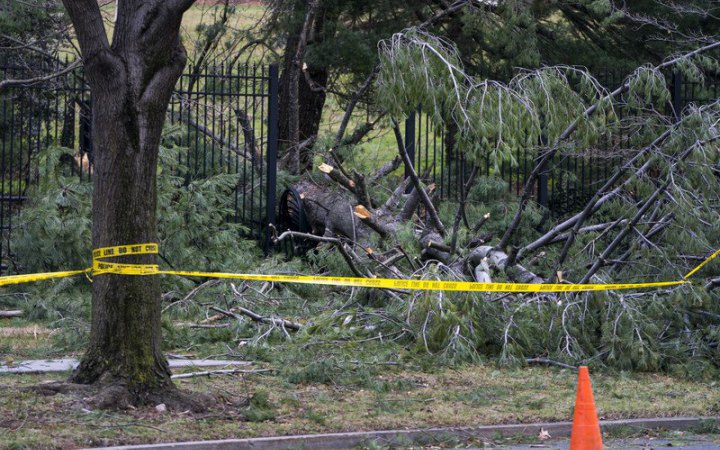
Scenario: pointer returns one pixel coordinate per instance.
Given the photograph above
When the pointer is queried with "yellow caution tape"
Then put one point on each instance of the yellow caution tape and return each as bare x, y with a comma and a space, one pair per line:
17, 279
700, 266
100, 266
426, 285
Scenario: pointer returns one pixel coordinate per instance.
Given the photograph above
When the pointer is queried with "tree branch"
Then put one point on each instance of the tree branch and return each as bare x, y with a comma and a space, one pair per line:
366, 216
208, 373
386, 169
258, 318
542, 164
550, 362
461, 208
712, 284
334, 241
416, 181
180, 6
293, 94
6, 84
357, 95
594, 203
589, 207
602, 259
89, 28
455, 7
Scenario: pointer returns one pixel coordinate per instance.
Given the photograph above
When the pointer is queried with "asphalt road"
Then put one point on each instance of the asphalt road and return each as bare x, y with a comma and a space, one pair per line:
686, 442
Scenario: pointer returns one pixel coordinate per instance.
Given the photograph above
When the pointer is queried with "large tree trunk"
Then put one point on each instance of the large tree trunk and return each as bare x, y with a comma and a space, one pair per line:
125, 333
301, 105
131, 83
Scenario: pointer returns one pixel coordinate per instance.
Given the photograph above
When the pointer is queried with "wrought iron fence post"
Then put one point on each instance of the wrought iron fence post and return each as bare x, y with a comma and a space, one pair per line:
677, 97
542, 193
410, 140
542, 181
272, 151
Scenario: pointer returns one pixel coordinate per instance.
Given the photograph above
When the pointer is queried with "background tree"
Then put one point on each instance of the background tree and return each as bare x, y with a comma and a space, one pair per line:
131, 80
32, 35
492, 38
331, 48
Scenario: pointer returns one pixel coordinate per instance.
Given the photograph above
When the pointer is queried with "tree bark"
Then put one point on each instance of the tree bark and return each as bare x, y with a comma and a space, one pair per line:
131, 82
300, 106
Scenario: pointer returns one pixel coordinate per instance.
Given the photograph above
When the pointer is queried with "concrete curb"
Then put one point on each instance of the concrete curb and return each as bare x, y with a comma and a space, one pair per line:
416, 437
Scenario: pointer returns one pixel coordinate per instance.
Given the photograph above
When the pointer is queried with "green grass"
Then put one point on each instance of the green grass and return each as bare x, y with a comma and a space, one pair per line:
244, 17
330, 378
344, 396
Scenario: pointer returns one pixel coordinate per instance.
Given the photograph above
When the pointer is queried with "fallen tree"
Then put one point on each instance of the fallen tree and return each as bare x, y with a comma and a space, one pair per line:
652, 220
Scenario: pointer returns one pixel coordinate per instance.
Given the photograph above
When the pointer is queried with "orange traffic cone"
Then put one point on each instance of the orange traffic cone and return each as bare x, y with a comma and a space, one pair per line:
586, 428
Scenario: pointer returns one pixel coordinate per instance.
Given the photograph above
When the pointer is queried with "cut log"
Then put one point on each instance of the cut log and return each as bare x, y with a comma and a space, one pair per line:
434, 248
497, 259
337, 176
366, 216
11, 313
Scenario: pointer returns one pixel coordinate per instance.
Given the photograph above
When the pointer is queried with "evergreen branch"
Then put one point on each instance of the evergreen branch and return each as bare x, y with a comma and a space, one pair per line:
590, 206
334, 241
258, 318
208, 373
602, 259
545, 160
550, 362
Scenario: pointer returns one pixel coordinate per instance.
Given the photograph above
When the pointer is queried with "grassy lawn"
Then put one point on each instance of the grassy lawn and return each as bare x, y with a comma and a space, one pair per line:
243, 18
309, 396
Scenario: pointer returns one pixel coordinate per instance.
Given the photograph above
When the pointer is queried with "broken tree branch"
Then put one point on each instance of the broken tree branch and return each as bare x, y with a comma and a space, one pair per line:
352, 103
603, 258
550, 362
361, 191
600, 261
386, 169
257, 317
435, 219
334, 241
367, 218
337, 176
595, 203
547, 157
590, 206
461, 208
193, 292
208, 373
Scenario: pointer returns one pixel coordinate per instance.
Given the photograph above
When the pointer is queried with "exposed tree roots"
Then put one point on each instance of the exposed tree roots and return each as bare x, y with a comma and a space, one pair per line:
117, 396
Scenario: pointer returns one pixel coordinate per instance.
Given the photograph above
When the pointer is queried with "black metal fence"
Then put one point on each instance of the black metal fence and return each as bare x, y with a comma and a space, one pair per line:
569, 181
228, 122
227, 117
56, 112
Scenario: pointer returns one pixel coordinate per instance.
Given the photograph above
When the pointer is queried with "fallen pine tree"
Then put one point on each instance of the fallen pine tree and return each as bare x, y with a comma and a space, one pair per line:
653, 219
